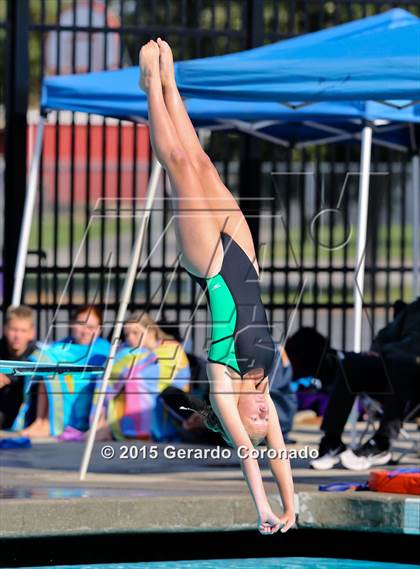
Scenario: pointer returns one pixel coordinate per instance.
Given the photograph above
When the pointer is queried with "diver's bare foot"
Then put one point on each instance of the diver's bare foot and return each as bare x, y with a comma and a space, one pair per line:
149, 65
38, 429
166, 63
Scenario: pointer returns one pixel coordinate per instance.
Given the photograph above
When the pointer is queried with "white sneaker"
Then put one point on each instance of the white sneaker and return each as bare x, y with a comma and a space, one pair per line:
365, 457
329, 459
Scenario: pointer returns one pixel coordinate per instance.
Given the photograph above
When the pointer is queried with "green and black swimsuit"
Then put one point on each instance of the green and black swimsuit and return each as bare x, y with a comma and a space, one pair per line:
240, 335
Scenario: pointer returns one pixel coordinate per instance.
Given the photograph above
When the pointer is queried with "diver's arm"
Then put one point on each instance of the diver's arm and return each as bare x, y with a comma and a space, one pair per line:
280, 466
225, 407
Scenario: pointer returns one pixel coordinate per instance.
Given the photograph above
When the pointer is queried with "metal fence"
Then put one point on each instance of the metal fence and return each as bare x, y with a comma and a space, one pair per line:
94, 173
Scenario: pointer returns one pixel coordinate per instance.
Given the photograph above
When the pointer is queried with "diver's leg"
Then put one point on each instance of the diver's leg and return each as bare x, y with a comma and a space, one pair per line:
197, 229
224, 206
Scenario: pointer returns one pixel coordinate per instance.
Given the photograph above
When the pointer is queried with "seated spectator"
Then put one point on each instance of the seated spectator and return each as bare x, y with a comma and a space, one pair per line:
146, 363
390, 372
406, 380
86, 328
17, 343
54, 404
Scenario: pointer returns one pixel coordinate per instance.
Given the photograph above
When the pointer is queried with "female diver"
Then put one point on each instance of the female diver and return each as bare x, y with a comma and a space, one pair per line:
218, 249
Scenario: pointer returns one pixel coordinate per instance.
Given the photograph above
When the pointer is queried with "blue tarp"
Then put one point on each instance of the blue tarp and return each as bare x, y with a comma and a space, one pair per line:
375, 58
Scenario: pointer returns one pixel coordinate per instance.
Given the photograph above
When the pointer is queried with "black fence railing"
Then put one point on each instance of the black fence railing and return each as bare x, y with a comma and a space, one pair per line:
79, 251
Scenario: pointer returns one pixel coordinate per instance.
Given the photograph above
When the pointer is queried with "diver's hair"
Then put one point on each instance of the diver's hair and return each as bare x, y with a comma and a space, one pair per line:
212, 422
145, 320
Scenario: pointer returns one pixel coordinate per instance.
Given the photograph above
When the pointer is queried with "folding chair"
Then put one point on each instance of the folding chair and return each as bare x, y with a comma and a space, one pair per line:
374, 411
414, 440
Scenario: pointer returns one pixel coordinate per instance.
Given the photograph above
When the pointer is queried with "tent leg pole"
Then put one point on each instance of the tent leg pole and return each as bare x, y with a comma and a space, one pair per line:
125, 297
416, 222
360, 258
28, 214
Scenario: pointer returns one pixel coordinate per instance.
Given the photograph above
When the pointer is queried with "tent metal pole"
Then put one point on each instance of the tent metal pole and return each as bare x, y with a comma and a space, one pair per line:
358, 289
28, 214
415, 180
125, 297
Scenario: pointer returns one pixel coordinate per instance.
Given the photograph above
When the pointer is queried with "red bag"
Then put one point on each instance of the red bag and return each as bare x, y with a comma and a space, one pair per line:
400, 481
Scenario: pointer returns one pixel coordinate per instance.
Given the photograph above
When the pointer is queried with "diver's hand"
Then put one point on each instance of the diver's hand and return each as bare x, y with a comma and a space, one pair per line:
288, 518
268, 522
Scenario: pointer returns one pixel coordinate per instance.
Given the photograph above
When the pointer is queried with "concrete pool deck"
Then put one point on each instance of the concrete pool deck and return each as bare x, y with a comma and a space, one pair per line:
42, 495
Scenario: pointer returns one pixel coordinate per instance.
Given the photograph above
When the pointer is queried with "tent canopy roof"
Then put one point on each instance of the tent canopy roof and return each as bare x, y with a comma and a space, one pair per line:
375, 58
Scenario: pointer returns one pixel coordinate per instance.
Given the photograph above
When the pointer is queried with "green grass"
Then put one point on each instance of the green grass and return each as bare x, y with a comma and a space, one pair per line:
79, 228
326, 252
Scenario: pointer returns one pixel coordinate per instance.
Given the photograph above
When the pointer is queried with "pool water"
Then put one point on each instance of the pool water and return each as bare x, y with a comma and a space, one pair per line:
250, 563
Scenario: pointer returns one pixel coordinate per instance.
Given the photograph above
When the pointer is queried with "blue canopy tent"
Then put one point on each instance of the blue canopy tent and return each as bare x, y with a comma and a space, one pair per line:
116, 94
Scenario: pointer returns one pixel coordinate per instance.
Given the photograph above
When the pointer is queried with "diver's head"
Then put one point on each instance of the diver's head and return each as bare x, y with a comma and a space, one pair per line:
253, 410
253, 407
